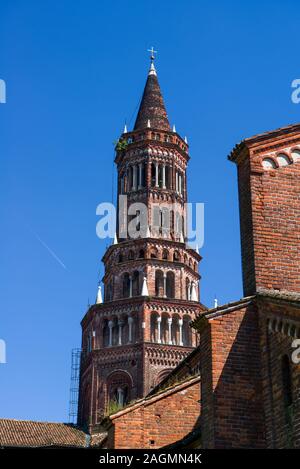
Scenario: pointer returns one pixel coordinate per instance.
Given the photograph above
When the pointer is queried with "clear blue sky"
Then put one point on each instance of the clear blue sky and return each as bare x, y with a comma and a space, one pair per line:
74, 71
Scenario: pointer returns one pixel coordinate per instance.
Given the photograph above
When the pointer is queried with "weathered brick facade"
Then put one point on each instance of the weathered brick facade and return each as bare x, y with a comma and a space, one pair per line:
269, 187
158, 420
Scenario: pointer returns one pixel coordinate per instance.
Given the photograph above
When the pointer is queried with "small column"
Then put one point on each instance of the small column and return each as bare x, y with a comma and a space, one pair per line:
140, 176
165, 285
156, 174
159, 329
130, 322
110, 326
164, 176
130, 286
120, 324
179, 184
120, 396
134, 178
176, 181
170, 330
180, 323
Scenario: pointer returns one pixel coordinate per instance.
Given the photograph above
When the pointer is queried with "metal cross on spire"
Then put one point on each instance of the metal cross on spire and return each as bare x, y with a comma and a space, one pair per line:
152, 56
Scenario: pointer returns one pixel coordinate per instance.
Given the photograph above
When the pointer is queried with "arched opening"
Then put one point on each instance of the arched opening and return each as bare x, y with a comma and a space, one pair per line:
283, 160
136, 289
154, 332
130, 255
170, 285
175, 330
165, 254
153, 174
176, 256
141, 254
121, 258
159, 283
119, 385
115, 331
187, 289
164, 329
105, 333
268, 163
126, 285
186, 332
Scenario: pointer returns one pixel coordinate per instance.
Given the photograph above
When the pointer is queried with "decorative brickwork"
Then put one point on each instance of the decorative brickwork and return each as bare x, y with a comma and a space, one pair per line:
269, 187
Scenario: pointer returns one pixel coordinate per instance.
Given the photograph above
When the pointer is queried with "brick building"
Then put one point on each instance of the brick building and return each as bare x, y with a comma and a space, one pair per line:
158, 368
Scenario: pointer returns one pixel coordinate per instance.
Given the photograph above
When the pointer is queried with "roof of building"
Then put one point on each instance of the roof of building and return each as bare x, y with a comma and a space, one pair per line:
28, 433
268, 135
152, 112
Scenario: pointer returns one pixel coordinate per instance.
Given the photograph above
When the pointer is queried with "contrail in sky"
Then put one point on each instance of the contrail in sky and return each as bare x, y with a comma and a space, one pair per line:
48, 249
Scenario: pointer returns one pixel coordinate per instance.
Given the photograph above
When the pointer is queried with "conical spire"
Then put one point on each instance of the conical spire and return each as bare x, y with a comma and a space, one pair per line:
152, 108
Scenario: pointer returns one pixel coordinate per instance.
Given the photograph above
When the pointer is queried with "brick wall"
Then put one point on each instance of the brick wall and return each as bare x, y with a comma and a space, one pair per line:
279, 326
157, 421
269, 187
232, 415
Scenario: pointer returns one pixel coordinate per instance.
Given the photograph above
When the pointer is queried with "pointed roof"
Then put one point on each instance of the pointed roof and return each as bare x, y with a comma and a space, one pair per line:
152, 108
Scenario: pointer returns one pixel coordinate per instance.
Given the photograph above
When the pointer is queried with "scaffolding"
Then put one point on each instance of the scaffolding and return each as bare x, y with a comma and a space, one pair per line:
74, 387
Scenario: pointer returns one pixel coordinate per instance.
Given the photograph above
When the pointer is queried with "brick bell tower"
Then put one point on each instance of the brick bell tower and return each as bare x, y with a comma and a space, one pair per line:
141, 330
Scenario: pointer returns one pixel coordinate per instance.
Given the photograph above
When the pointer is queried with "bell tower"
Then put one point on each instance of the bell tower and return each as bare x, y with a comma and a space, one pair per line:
140, 330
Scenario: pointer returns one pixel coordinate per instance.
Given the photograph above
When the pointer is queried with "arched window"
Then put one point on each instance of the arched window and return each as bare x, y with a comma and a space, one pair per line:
121, 258
105, 332
130, 255
175, 330
136, 283
187, 289
159, 283
176, 256
126, 285
119, 386
153, 174
154, 328
283, 160
186, 332
295, 155
141, 254
268, 163
170, 285
165, 254
164, 329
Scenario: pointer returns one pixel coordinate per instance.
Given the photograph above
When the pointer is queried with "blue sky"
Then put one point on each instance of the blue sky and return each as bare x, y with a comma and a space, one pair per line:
74, 72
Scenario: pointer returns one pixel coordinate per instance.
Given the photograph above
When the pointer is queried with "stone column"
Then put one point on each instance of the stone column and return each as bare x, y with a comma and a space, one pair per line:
159, 329
120, 396
179, 184
120, 324
140, 175
170, 330
130, 322
110, 326
156, 174
164, 176
176, 181
130, 286
165, 285
180, 323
